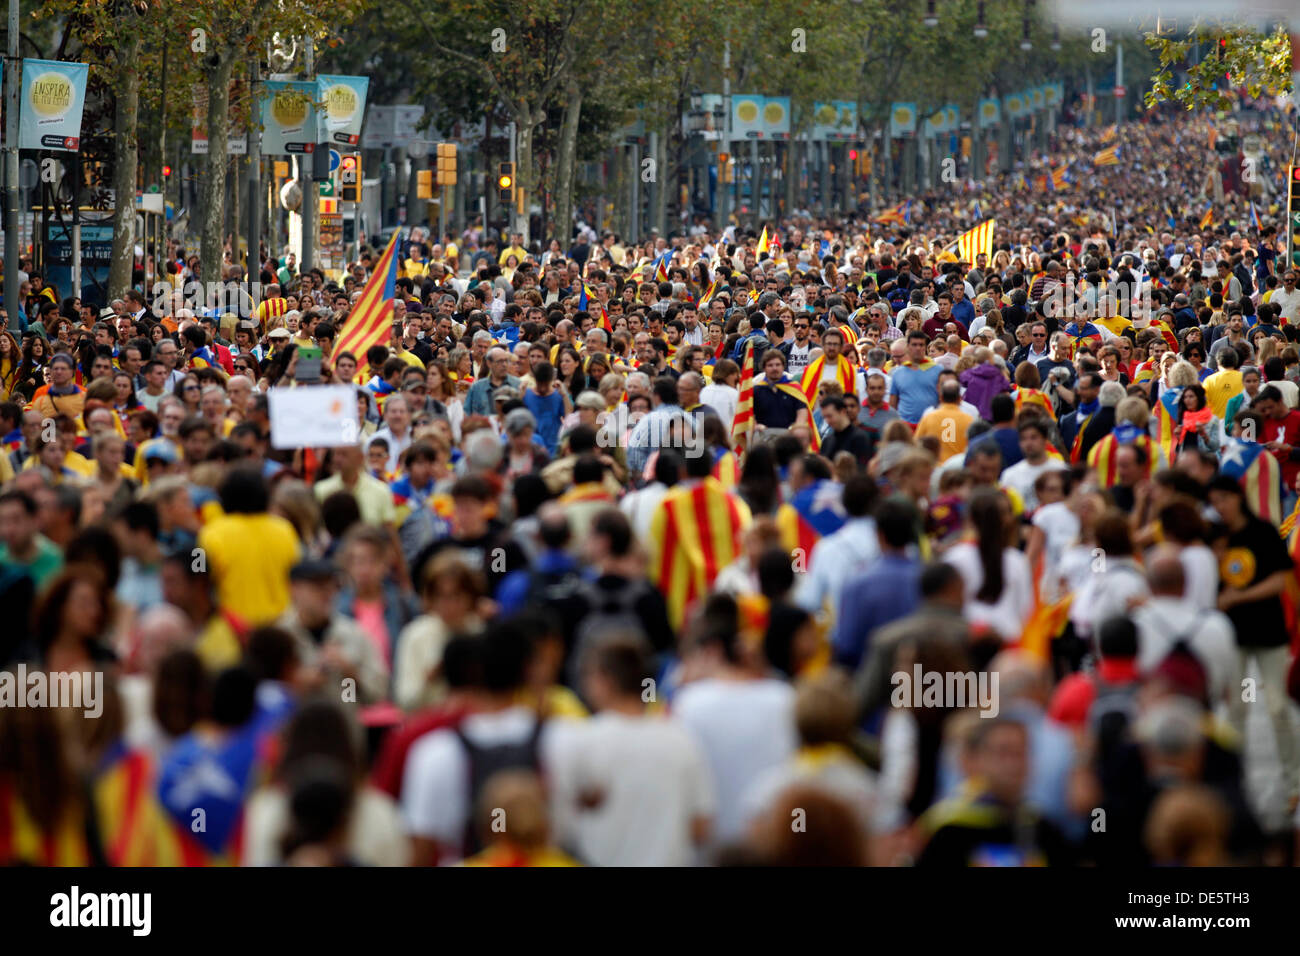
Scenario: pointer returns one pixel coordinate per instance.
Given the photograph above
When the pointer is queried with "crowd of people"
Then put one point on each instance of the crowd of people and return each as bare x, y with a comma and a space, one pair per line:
815, 544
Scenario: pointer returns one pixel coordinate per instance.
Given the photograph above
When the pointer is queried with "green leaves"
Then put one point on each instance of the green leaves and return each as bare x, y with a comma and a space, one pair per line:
1217, 58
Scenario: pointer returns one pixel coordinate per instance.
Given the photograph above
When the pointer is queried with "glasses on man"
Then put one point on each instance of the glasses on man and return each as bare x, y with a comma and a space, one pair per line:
190, 388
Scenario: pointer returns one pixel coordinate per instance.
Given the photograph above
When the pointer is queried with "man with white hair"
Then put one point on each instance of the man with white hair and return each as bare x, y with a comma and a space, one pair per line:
478, 400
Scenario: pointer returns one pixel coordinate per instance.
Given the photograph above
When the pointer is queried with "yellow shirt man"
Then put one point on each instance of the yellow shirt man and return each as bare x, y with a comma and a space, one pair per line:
250, 556
517, 251
1219, 389
948, 423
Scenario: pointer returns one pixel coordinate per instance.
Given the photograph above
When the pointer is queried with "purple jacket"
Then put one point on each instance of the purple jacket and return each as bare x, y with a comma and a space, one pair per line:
981, 383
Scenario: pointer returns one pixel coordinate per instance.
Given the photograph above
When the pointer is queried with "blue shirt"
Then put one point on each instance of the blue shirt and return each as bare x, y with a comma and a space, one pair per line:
549, 412
964, 312
889, 589
1008, 442
917, 389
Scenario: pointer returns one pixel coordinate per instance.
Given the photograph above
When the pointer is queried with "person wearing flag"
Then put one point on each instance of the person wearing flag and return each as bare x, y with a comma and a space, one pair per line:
698, 529
778, 401
1082, 428
831, 366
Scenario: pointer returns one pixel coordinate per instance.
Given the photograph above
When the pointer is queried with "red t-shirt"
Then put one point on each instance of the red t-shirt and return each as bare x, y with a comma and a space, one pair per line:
1286, 430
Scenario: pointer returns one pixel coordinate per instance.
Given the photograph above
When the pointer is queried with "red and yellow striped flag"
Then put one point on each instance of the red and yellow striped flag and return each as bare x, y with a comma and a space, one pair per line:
371, 321
742, 426
697, 531
974, 241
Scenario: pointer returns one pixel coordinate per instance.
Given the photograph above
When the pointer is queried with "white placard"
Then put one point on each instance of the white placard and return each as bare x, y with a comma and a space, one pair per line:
313, 416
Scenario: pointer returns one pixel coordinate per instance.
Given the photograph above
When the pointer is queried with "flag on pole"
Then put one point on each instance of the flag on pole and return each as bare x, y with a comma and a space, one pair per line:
764, 244
1207, 220
710, 292
371, 320
974, 241
742, 426
900, 215
1254, 217
661, 267
1106, 157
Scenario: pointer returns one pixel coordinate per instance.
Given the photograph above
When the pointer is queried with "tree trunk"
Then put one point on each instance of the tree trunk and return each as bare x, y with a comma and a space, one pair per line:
215, 165
565, 165
125, 158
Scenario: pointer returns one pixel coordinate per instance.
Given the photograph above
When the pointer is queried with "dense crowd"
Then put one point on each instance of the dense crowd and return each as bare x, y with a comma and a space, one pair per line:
816, 545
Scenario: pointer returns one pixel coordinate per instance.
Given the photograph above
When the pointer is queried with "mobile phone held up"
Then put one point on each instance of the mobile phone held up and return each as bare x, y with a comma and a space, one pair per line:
307, 369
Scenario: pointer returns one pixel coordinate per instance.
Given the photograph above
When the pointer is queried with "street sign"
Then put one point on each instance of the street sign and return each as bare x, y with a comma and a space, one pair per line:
335, 159
326, 187
1120, 92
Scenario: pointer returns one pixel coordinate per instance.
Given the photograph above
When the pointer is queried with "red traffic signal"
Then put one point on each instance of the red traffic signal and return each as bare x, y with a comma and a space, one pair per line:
853, 155
166, 171
1295, 174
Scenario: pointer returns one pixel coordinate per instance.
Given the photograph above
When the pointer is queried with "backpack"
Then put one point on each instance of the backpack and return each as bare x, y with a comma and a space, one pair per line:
485, 762
606, 611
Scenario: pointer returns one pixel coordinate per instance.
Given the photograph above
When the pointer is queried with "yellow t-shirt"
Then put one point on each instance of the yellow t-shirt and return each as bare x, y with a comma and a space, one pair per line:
948, 423
217, 645
1219, 389
1114, 323
249, 557
416, 270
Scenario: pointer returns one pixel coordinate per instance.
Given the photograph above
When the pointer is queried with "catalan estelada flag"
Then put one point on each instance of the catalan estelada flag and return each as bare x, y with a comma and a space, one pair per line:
585, 298
1109, 133
813, 513
1166, 414
1106, 157
1059, 178
742, 426
975, 241
661, 267
1254, 217
1259, 474
900, 215
371, 320
1207, 220
696, 532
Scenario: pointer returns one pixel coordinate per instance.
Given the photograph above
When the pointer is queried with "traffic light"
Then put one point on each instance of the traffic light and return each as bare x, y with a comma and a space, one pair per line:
350, 178
167, 171
506, 183
424, 184
446, 164
1293, 213
724, 167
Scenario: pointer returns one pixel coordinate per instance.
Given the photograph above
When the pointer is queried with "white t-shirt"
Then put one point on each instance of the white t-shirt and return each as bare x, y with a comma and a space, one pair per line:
745, 729
798, 360
1060, 527
722, 399
1289, 303
650, 777
1022, 475
1008, 615
1208, 634
1201, 576
435, 789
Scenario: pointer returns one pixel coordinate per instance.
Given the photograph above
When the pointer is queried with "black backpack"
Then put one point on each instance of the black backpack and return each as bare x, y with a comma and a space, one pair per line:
606, 611
484, 764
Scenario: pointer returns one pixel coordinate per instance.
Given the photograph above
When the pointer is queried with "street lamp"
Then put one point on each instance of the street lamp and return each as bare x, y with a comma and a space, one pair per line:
981, 28
1056, 38
1025, 43
931, 18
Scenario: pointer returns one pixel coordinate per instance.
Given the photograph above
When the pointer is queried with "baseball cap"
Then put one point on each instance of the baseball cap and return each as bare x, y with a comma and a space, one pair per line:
163, 451
505, 393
